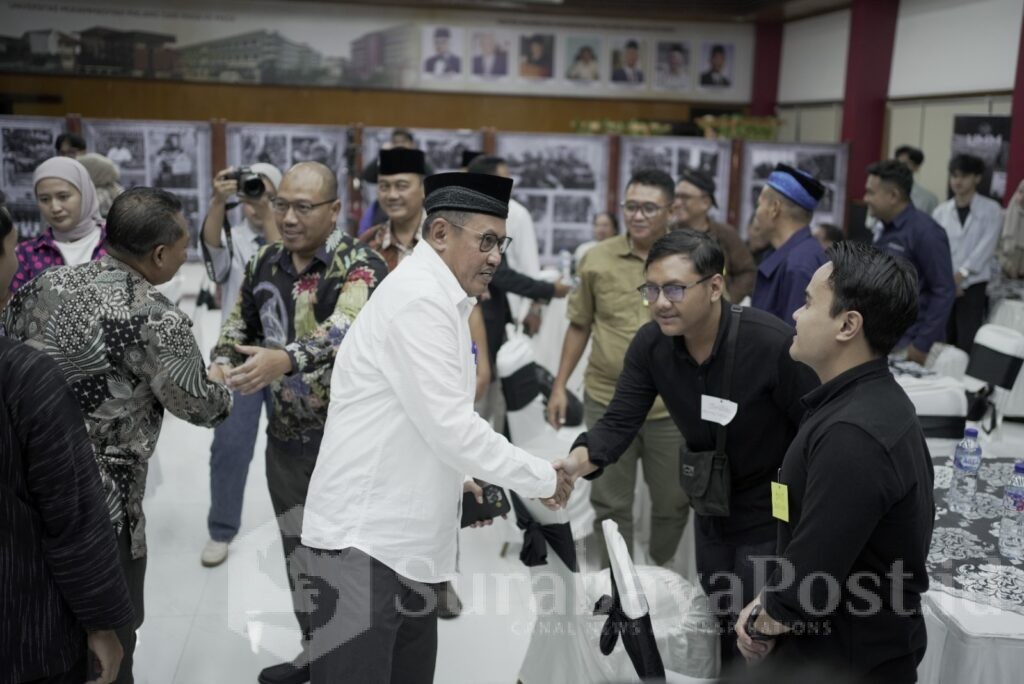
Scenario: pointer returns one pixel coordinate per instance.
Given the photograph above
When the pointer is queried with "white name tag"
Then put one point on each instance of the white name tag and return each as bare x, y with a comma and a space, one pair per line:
717, 410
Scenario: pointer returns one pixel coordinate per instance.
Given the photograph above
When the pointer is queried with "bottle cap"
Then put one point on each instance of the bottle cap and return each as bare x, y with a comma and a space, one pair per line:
971, 432
1018, 468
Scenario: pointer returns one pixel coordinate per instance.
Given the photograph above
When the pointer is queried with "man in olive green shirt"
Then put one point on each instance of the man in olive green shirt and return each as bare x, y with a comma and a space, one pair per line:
607, 305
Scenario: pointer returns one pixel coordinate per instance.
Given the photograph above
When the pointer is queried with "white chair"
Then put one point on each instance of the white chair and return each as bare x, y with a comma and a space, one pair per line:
996, 358
529, 430
940, 403
633, 605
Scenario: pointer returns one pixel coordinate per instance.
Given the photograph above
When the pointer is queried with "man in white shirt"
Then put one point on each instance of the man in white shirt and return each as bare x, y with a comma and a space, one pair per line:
383, 508
973, 223
226, 252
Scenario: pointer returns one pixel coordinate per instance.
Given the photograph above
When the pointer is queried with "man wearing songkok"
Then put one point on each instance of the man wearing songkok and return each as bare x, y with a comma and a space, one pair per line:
855, 495
694, 199
382, 515
400, 194
296, 305
784, 211
128, 354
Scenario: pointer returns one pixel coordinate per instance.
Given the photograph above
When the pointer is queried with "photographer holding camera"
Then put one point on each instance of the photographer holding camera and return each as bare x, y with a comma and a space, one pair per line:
227, 249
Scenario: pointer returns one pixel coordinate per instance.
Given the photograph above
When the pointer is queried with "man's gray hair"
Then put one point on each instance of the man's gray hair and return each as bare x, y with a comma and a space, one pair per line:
457, 218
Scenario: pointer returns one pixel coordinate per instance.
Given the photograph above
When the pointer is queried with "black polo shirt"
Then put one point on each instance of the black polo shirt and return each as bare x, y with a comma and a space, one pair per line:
860, 497
766, 383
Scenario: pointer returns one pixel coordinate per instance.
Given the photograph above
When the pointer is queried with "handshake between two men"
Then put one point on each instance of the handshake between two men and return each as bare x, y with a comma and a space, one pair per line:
569, 469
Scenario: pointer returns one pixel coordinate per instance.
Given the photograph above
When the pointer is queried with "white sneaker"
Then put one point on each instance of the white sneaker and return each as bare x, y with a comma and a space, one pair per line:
214, 553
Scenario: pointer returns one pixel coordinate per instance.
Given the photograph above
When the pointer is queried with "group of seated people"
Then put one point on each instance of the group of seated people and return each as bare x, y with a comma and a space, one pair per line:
778, 424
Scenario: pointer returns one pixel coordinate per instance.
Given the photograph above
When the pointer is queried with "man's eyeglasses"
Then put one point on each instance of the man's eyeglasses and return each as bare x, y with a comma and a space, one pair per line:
281, 206
648, 209
488, 241
673, 293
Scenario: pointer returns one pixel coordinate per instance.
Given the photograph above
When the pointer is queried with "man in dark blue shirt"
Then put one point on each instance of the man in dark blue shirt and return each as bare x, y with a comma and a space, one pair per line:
913, 235
784, 211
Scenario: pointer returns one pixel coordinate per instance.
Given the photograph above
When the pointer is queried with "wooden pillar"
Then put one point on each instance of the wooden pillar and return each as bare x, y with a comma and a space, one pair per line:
1015, 164
767, 63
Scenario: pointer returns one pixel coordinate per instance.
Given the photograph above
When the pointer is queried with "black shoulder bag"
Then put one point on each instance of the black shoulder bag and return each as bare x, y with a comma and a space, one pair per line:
704, 475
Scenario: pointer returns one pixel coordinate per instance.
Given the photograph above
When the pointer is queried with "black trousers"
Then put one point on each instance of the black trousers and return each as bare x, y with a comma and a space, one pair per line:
370, 624
729, 577
969, 312
289, 469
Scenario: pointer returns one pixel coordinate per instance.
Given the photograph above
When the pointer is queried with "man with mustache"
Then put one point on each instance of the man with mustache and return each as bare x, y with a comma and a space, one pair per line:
400, 194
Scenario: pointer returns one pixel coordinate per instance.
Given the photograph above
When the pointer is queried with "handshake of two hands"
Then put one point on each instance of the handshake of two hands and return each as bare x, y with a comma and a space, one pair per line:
568, 470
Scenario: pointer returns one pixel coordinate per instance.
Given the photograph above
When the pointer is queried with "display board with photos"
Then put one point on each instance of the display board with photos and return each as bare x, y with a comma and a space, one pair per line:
673, 154
562, 180
171, 155
26, 141
826, 162
442, 148
988, 138
283, 145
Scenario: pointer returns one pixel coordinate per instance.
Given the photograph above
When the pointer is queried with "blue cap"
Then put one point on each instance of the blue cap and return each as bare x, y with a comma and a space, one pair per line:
1018, 468
798, 186
971, 432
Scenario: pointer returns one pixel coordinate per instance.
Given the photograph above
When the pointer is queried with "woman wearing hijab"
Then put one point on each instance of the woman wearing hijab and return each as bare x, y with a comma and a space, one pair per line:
69, 206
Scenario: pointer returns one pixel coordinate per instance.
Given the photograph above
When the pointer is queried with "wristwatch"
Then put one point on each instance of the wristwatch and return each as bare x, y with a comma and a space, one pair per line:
751, 628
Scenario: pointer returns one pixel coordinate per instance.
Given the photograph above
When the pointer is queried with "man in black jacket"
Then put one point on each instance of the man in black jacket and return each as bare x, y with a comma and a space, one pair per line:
854, 496
682, 356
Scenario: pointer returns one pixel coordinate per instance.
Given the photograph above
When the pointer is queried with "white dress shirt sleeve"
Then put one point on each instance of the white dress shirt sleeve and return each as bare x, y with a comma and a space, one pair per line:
985, 240
424, 369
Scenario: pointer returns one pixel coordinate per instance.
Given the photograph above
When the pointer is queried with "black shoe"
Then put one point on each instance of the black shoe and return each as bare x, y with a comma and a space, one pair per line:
448, 604
285, 673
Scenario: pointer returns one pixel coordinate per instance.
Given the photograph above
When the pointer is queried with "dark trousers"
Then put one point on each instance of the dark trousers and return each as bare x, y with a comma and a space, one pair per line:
289, 468
135, 576
728, 577
230, 454
968, 314
370, 624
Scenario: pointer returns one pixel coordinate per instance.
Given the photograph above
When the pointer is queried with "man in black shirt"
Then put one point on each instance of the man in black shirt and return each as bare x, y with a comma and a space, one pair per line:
681, 356
855, 492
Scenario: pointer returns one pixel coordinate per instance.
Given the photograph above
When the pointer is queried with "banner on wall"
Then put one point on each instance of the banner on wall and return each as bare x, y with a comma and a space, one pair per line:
562, 180
827, 163
27, 141
987, 137
318, 44
674, 154
286, 144
172, 155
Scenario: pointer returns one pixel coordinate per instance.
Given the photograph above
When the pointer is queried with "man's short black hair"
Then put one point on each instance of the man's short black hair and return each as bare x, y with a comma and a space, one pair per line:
967, 164
655, 178
833, 233
142, 218
76, 141
486, 163
700, 248
879, 286
717, 50
894, 173
913, 154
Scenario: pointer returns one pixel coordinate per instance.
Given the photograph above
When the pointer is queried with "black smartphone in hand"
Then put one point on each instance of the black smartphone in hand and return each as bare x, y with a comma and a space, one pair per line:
495, 503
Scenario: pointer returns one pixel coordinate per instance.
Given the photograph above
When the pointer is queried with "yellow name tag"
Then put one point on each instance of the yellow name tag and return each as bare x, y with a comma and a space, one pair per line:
780, 501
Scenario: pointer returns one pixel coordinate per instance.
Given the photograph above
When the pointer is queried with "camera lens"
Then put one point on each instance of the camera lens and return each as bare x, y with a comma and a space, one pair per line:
252, 186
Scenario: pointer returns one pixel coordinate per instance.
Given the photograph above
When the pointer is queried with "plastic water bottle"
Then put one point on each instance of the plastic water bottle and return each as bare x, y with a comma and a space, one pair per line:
966, 461
565, 265
1011, 530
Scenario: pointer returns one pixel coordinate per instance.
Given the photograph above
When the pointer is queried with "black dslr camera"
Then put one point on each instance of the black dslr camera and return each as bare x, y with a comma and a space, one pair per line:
250, 184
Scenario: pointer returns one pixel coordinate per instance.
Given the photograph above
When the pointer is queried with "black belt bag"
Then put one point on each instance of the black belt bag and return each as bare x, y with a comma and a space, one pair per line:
704, 475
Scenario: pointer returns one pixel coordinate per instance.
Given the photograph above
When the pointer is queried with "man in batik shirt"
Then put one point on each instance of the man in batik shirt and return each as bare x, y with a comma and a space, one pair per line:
128, 354
296, 304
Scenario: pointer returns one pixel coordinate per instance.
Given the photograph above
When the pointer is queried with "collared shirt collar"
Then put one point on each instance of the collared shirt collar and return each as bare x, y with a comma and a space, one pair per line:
837, 385
623, 246
113, 262
284, 258
386, 239
776, 258
901, 218
433, 262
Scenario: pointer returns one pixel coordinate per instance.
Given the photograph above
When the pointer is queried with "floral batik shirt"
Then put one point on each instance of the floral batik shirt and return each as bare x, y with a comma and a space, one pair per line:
128, 353
306, 314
